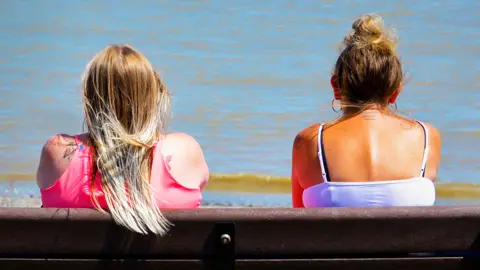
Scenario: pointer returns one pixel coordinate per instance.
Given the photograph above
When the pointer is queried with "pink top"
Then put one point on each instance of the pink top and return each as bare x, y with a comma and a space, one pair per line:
73, 188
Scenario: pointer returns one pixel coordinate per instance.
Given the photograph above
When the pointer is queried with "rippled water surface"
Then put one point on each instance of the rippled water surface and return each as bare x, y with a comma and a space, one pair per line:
246, 76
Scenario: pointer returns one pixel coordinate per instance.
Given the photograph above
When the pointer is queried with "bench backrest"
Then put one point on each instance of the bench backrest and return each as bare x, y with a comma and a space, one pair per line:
246, 238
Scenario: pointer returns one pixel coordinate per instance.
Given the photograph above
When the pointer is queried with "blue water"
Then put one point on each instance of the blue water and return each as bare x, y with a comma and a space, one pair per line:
246, 75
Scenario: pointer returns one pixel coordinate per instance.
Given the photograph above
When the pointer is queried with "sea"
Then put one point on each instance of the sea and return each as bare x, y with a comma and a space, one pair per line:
245, 77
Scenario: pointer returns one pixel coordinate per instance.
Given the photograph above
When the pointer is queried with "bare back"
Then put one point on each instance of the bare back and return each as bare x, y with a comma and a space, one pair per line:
371, 146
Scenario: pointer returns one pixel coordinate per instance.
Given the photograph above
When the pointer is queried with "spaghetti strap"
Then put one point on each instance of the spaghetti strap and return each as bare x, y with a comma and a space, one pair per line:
425, 151
321, 154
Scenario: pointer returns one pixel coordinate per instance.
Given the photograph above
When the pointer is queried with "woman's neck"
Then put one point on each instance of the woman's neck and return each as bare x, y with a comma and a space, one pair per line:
349, 111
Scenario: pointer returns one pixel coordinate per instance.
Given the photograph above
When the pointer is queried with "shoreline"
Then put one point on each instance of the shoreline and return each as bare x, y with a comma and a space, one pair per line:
264, 202
33, 202
36, 202
244, 190
266, 184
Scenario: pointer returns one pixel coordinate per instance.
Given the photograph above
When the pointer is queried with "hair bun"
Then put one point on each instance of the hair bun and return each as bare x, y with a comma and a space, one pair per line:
368, 30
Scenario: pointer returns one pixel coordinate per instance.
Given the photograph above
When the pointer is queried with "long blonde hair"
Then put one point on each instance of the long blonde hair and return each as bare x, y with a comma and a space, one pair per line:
126, 108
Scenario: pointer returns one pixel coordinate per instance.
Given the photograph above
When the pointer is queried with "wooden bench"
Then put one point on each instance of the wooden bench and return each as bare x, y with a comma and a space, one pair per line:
246, 238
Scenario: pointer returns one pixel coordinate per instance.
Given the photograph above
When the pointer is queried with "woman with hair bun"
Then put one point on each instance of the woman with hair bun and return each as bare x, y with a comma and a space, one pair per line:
371, 155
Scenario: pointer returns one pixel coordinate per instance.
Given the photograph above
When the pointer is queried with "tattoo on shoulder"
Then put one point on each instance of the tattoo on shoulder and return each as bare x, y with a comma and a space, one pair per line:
70, 150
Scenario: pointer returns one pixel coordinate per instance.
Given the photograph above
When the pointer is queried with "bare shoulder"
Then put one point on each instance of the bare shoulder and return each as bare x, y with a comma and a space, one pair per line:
434, 137
59, 141
181, 138
305, 149
433, 132
186, 160
435, 149
181, 143
306, 136
54, 159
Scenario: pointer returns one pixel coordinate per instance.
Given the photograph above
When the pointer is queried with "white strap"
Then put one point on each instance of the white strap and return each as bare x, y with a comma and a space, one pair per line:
425, 152
320, 155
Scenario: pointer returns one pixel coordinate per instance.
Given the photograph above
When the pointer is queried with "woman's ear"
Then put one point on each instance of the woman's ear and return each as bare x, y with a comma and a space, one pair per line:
336, 89
393, 98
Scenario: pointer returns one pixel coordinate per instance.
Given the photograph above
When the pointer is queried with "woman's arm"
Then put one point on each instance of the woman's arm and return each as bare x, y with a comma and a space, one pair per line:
306, 170
297, 192
435, 151
184, 157
54, 159
297, 189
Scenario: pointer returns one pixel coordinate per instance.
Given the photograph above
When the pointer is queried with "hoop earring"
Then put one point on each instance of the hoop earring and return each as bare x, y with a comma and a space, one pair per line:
396, 107
333, 106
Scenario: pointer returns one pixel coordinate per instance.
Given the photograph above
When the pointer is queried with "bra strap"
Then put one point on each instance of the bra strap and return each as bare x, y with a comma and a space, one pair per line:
321, 155
425, 151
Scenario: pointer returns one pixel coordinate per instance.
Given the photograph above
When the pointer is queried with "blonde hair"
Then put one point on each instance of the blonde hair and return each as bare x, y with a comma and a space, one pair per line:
126, 108
368, 70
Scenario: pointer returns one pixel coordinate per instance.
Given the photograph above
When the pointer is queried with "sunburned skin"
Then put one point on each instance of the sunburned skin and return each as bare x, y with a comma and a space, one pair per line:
370, 141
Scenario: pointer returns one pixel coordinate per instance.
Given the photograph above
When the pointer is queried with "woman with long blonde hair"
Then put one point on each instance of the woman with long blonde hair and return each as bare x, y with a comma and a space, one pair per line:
124, 163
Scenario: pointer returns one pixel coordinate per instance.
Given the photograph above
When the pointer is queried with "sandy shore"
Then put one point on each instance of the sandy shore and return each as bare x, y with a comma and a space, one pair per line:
20, 202
36, 202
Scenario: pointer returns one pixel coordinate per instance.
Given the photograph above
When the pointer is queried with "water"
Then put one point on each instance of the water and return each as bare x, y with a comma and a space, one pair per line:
246, 76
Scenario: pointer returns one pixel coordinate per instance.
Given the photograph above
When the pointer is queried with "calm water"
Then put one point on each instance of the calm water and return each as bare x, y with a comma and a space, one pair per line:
246, 75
